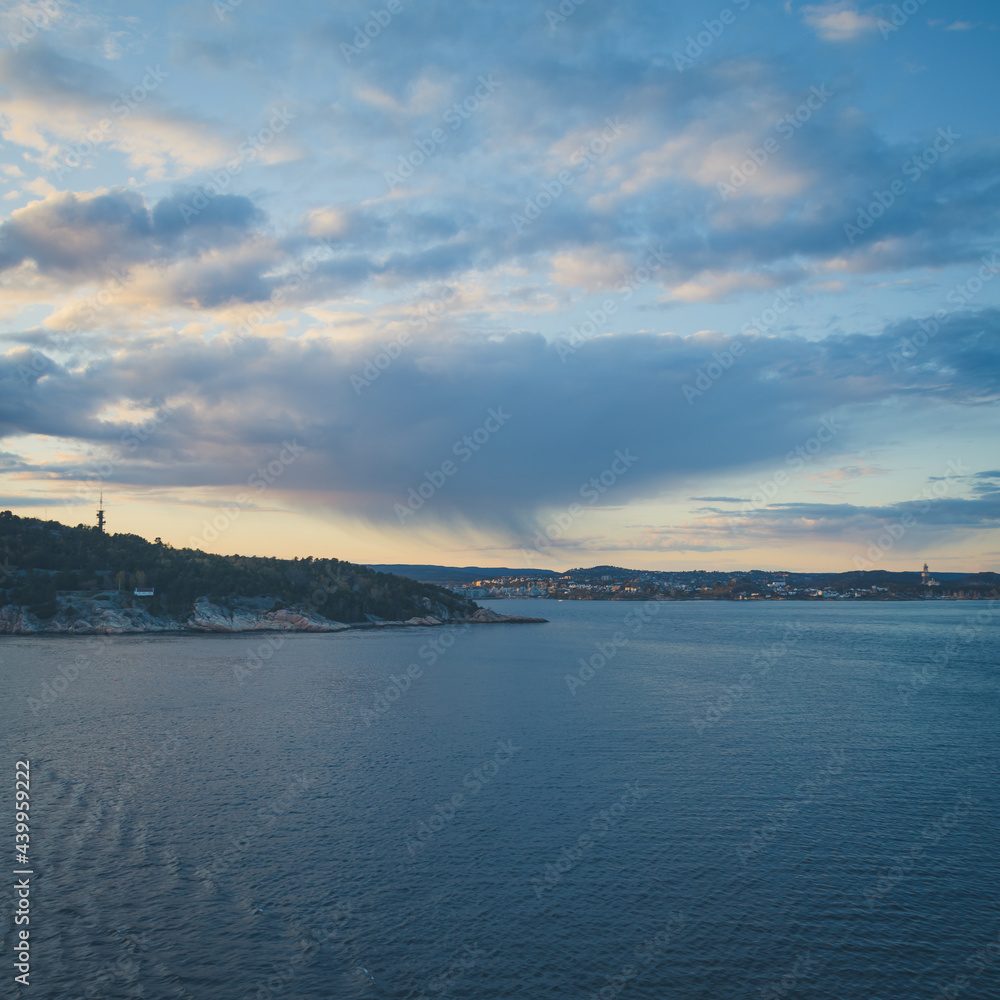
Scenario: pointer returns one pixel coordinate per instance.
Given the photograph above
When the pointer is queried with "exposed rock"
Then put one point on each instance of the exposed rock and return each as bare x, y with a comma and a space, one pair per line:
303, 622
95, 621
484, 616
17, 621
89, 617
208, 617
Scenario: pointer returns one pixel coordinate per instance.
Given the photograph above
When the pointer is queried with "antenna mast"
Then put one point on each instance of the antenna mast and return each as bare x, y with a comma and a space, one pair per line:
100, 515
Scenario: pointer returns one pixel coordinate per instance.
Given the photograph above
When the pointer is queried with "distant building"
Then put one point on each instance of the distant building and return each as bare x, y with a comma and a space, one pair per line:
927, 580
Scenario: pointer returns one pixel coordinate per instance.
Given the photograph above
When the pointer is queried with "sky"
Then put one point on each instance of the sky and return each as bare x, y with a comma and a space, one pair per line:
536, 284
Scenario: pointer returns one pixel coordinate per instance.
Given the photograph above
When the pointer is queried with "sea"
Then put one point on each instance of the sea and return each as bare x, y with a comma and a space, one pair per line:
702, 800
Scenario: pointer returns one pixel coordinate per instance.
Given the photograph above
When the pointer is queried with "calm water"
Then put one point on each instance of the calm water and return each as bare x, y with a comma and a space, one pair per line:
824, 827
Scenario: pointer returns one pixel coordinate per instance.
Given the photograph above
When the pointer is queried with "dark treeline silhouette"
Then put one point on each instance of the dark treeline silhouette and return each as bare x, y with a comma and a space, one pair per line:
40, 558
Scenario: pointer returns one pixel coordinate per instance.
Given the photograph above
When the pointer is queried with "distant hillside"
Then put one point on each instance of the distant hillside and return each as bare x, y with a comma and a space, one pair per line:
456, 574
39, 560
617, 583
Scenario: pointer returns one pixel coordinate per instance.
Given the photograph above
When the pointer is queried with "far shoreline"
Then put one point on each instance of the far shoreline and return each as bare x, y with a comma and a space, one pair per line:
750, 600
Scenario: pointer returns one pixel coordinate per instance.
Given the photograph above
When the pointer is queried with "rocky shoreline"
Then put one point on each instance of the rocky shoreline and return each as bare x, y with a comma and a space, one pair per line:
207, 617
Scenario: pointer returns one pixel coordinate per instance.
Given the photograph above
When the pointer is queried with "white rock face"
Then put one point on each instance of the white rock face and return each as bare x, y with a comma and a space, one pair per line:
16, 621
89, 617
95, 619
208, 617
484, 616
92, 621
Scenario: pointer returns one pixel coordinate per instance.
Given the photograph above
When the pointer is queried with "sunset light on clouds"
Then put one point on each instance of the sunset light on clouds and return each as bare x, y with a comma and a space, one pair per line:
701, 286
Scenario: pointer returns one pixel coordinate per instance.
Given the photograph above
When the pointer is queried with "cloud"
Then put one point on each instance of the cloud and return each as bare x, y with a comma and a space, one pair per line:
839, 22
722, 499
938, 512
709, 286
916, 524
68, 234
133, 255
327, 222
590, 268
565, 420
657, 184
65, 111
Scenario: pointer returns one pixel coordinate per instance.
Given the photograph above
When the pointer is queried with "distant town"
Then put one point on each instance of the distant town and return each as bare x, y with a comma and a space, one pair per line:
613, 583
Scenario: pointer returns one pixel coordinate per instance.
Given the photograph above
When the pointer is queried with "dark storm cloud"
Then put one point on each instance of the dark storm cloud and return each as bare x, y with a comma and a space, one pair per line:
367, 444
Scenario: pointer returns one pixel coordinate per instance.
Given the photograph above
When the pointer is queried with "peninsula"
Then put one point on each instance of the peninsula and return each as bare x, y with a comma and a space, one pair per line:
58, 580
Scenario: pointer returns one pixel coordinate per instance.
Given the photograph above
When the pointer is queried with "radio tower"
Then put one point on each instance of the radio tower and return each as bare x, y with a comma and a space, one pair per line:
100, 515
